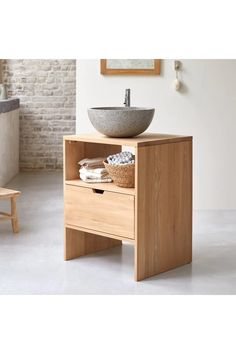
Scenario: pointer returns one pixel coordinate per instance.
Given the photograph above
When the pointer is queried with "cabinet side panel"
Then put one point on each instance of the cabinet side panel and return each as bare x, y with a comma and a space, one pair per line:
73, 152
164, 208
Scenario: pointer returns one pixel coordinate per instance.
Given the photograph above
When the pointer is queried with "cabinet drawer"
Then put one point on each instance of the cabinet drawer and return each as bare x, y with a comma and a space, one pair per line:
107, 212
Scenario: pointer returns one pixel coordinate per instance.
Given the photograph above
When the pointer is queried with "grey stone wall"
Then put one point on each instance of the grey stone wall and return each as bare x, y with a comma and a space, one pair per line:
47, 93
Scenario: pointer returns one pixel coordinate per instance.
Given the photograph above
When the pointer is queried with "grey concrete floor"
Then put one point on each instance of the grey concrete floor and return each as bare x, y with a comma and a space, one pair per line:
32, 261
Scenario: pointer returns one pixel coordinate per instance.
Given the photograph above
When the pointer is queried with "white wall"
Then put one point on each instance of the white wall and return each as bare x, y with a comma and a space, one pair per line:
206, 109
9, 146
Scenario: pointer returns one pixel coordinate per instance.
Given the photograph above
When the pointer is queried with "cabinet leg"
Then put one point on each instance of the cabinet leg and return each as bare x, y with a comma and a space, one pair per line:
14, 220
78, 243
150, 263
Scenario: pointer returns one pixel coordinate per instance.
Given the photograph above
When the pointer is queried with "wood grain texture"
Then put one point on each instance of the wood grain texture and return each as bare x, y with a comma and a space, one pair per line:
78, 243
7, 193
111, 187
12, 195
4, 215
100, 233
99, 150
14, 219
108, 212
75, 150
107, 71
145, 139
157, 214
163, 208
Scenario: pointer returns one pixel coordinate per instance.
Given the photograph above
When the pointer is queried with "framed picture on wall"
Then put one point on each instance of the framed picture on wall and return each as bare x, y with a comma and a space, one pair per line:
130, 66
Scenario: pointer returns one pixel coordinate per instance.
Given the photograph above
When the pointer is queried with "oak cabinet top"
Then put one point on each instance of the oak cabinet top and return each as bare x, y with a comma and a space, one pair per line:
141, 140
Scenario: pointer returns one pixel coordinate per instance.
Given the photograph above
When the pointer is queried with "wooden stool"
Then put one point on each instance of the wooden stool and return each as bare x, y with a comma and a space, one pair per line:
9, 193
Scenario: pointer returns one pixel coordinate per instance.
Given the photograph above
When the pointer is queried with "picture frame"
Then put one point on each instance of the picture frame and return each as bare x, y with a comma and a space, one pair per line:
130, 66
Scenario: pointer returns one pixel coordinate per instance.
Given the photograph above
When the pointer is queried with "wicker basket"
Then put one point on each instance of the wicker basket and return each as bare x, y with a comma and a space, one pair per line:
122, 175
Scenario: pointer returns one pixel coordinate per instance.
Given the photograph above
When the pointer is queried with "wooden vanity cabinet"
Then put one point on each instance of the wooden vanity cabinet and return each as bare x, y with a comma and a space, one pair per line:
156, 215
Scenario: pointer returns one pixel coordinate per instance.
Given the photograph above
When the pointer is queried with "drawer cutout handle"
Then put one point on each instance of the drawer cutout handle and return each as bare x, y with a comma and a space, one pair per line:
98, 191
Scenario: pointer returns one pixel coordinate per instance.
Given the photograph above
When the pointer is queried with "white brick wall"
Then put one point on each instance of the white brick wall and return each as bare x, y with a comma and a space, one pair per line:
0, 71
47, 93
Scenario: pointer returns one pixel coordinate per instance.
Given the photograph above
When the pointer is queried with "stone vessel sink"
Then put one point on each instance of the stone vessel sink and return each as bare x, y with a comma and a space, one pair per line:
121, 122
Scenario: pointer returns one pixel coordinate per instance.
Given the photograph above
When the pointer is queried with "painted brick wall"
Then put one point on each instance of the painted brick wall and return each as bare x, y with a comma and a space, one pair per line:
0, 71
47, 92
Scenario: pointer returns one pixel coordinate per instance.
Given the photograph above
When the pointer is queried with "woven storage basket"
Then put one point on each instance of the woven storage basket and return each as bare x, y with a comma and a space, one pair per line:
122, 175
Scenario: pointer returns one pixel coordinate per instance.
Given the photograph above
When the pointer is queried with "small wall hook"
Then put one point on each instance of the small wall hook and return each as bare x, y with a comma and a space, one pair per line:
177, 82
177, 65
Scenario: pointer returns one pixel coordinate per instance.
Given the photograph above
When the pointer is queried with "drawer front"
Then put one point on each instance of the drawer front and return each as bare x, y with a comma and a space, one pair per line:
108, 212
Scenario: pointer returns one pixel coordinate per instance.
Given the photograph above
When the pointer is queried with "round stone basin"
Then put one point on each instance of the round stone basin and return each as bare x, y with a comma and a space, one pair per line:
121, 122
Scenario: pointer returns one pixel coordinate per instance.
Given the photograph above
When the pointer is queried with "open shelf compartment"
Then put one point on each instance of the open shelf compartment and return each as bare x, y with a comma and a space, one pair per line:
74, 151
